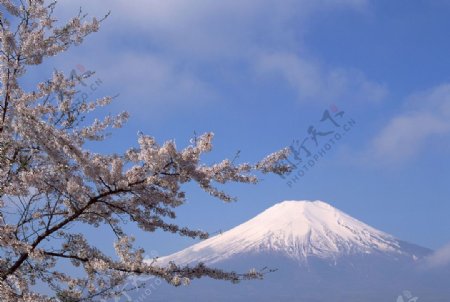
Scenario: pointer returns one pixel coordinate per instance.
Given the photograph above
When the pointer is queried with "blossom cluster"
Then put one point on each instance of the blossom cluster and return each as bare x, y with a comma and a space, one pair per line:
50, 181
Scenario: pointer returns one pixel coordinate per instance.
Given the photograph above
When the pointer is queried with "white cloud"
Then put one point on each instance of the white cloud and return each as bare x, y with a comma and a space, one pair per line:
314, 82
157, 80
426, 115
440, 258
262, 35
205, 28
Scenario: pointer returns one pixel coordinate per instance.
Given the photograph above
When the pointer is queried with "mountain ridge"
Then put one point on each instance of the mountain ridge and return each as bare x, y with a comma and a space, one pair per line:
319, 253
299, 230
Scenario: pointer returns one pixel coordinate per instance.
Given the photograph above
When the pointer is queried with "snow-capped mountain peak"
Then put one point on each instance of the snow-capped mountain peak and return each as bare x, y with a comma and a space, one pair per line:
296, 229
318, 252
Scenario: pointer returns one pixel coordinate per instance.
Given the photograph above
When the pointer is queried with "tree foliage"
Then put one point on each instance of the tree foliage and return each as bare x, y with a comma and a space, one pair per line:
50, 183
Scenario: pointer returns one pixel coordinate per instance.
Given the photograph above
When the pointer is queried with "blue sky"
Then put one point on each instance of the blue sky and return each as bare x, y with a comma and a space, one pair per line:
259, 73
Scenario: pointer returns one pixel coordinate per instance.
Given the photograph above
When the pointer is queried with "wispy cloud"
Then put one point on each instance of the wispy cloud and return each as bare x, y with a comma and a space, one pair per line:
440, 258
157, 80
314, 82
426, 115
263, 37
206, 28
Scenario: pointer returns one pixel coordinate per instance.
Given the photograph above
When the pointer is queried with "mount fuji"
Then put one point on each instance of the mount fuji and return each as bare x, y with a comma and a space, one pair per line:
319, 253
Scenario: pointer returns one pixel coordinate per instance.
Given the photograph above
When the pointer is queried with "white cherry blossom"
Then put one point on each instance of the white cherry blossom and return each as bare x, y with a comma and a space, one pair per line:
50, 182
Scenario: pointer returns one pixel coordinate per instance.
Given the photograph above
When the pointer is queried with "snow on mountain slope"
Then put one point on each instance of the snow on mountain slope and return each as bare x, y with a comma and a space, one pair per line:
318, 253
298, 230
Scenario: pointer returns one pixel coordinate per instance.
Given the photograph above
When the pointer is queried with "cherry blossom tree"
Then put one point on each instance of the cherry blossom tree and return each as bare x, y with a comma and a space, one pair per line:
50, 183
